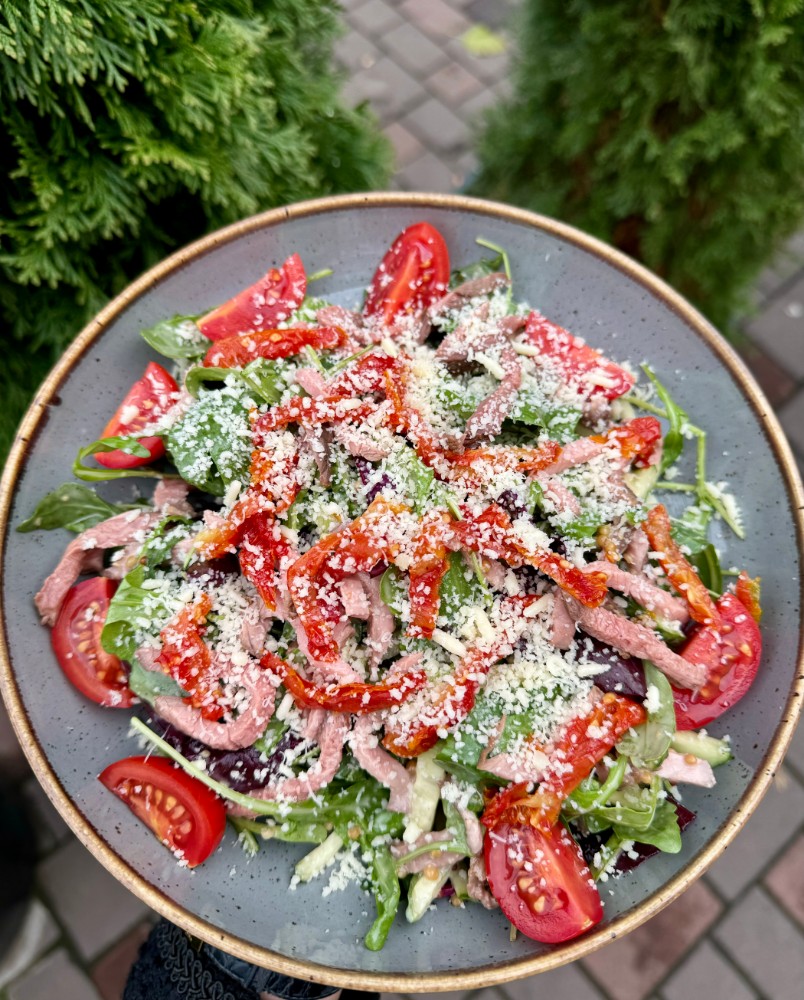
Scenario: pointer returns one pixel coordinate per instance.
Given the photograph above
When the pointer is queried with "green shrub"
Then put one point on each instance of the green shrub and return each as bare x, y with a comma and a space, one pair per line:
674, 130
127, 130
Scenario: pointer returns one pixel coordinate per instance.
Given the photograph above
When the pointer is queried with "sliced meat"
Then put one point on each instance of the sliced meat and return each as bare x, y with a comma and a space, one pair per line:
487, 420
475, 287
677, 768
438, 856
637, 640
636, 552
83, 555
314, 445
348, 436
350, 322
380, 764
312, 381
354, 597
577, 452
643, 591
477, 885
562, 628
563, 499
170, 496
381, 622
242, 731
474, 829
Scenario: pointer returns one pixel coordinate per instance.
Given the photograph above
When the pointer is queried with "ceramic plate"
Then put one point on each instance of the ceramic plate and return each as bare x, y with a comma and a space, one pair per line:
245, 905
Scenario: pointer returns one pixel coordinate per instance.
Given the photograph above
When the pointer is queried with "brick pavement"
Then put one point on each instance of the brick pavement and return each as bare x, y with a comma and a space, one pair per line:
739, 932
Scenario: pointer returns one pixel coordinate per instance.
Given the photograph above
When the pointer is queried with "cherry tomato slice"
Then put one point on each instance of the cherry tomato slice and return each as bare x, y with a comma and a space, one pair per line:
186, 816
731, 651
541, 881
260, 306
147, 400
576, 360
411, 276
97, 674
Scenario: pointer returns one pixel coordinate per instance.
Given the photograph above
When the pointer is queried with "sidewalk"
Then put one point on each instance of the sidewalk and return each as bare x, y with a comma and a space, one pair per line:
737, 933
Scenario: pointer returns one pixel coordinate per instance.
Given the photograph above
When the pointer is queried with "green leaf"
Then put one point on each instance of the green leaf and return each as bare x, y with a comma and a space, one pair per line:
478, 269
74, 507
148, 685
647, 745
707, 564
560, 422
393, 590
673, 444
198, 376
663, 833
137, 610
691, 529
211, 445
266, 379
98, 473
178, 338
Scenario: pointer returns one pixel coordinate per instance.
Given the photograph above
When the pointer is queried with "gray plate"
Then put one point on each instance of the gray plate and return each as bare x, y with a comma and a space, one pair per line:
246, 905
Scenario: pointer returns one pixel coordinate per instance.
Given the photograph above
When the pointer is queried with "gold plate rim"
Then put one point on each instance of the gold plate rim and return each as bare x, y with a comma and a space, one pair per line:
365, 980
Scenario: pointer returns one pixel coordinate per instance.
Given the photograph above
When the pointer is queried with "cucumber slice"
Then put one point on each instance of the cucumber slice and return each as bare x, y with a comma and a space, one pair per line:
421, 893
425, 796
708, 748
319, 858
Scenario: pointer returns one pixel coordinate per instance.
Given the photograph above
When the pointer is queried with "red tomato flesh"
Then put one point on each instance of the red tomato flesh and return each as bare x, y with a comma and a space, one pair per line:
731, 651
260, 306
541, 881
97, 674
186, 816
147, 400
412, 275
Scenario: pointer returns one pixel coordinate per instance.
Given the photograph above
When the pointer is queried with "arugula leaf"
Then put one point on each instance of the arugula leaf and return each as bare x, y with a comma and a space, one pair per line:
135, 609
74, 507
673, 444
266, 379
647, 745
707, 564
148, 685
96, 473
177, 338
392, 590
560, 422
477, 269
411, 478
690, 530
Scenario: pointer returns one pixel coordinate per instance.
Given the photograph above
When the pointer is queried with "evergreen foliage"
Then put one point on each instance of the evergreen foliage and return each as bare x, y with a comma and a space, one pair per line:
127, 130
673, 129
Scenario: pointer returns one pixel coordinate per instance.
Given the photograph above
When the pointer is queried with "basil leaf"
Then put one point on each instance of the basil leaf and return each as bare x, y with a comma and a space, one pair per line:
130, 445
211, 444
266, 379
135, 611
74, 507
663, 833
673, 444
177, 338
199, 375
647, 745
148, 685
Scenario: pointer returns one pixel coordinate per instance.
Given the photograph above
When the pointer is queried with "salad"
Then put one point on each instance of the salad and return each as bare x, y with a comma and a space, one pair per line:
406, 591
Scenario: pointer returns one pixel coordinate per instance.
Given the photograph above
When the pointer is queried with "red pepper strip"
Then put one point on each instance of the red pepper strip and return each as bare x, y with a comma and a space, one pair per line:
426, 573
747, 592
639, 440
187, 658
491, 533
236, 352
455, 697
262, 548
677, 569
312, 412
583, 744
576, 359
354, 697
354, 548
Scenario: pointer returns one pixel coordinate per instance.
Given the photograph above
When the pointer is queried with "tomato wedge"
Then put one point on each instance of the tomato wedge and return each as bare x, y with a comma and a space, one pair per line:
97, 674
237, 351
186, 816
731, 651
541, 881
576, 360
412, 275
260, 306
147, 400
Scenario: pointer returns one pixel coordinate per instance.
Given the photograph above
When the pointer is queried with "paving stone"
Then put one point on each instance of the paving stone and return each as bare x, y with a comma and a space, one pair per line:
387, 86
37, 932
774, 381
428, 173
453, 84
413, 50
766, 832
49, 828
782, 267
458, 995
791, 416
566, 983
406, 146
109, 974
765, 944
786, 880
707, 974
491, 69
374, 18
354, 52
439, 128
472, 109
435, 18
53, 977
93, 907
464, 170
629, 969
489, 12
779, 329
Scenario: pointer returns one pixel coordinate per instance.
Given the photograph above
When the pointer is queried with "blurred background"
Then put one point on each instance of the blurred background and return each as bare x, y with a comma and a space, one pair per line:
673, 130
